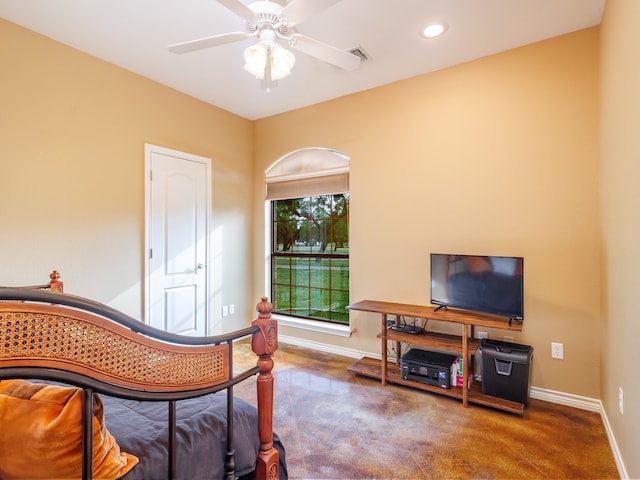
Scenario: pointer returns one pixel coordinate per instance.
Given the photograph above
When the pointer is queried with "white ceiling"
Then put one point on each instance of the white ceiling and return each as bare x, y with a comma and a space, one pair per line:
134, 34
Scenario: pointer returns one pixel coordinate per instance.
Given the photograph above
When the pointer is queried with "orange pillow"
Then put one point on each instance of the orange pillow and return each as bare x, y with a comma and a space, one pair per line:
41, 434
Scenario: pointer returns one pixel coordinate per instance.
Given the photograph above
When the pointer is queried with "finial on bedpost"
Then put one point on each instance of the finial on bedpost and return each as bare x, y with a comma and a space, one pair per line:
267, 343
55, 284
264, 343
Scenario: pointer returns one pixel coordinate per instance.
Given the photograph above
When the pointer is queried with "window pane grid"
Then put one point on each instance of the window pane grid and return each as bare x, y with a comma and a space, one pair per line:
310, 257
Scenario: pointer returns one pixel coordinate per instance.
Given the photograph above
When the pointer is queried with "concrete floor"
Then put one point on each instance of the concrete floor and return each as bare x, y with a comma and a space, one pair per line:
338, 425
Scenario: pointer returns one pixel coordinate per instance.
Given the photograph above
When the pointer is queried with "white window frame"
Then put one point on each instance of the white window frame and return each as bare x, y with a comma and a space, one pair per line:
300, 164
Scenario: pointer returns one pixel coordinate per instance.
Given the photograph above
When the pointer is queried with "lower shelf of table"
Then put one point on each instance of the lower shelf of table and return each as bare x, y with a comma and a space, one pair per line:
370, 367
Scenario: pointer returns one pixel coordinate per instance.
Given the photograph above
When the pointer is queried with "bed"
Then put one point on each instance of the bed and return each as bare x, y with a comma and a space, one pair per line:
89, 392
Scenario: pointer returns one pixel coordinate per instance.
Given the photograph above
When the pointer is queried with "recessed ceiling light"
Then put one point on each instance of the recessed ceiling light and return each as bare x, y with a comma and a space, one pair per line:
434, 30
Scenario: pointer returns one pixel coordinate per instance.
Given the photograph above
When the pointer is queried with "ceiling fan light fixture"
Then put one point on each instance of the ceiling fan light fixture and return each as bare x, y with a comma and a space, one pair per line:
282, 62
264, 53
255, 59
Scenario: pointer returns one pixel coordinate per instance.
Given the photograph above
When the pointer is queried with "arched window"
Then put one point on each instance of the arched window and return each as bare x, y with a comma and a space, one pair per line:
308, 195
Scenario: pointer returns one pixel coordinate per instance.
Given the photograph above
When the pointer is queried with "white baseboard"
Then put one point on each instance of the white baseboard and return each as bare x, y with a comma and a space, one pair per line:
568, 399
562, 398
322, 347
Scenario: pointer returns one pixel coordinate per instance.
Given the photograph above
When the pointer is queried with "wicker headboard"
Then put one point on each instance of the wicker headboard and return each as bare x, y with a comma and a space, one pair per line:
52, 335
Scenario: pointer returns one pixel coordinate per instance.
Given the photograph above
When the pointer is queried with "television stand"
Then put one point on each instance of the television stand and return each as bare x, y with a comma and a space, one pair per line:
464, 345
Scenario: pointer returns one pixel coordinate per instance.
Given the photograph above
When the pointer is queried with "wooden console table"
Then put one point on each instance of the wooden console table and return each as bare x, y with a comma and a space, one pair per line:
463, 344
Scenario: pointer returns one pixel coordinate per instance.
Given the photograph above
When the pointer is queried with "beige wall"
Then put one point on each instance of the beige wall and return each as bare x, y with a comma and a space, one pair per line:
496, 156
620, 171
72, 135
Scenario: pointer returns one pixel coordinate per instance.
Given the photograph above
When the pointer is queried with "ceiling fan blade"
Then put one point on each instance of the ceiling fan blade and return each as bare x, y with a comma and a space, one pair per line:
199, 44
325, 52
237, 7
299, 10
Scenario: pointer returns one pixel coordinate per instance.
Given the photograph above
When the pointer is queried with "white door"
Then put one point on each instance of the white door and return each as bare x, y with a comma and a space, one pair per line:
177, 210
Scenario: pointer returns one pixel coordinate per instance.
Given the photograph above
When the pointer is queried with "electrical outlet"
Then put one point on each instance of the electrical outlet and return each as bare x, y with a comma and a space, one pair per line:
225, 310
621, 400
483, 335
557, 351
232, 309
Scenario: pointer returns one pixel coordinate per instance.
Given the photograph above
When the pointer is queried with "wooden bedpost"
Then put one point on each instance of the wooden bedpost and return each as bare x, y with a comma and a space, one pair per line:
55, 284
264, 343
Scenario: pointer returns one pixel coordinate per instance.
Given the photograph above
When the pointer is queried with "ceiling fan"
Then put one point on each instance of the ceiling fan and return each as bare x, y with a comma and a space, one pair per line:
272, 23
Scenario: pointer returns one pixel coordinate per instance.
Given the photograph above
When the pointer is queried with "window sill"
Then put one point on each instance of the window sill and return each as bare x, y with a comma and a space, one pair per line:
313, 325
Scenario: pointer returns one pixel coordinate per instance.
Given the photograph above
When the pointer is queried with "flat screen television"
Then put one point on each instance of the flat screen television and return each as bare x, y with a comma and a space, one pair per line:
479, 283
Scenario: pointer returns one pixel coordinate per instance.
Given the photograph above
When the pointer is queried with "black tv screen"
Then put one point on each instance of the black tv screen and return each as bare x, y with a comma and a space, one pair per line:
480, 283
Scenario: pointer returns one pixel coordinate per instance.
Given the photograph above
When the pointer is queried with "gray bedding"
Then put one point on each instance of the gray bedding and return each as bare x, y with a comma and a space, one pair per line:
140, 428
